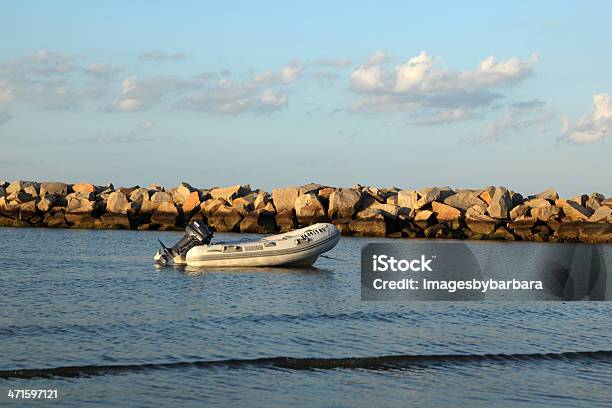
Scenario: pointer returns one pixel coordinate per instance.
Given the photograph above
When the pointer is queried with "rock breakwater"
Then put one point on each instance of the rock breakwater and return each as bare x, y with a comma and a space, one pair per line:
437, 212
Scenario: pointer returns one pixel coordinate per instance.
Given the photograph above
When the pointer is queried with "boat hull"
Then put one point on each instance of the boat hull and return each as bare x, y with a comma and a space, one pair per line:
296, 248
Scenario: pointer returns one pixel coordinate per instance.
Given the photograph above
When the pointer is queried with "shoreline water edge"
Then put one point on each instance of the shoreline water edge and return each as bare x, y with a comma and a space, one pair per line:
494, 213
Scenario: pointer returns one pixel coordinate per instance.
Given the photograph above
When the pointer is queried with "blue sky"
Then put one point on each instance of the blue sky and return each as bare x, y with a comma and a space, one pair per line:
273, 93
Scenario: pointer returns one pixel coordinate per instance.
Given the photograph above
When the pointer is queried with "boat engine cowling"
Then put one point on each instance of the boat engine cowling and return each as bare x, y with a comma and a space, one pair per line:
196, 234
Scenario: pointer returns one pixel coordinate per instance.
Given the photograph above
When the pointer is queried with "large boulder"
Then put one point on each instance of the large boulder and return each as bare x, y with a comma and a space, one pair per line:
115, 221
209, 206
601, 214
55, 219
426, 196
574, 211
262, 200
369, 223
117, 203
284, 198
389, 211
481, 224
192, 203
310, 188
181, 193
500, 204
523, 222
231, 193
224, 218
343, 203
49, 201
407, 202
550, 194
309, 210
464, 199
537, 203
285, 220
84, 187
138, 196
61, 189
258, 222
27, 210
607, 202
244, 205
517, 211
20, 185
445, 213
165, 213
545, 213
594, 201
9, 208
424, 218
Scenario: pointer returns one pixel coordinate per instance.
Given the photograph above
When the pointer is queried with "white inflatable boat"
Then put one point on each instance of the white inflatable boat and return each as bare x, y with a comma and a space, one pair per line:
301, 247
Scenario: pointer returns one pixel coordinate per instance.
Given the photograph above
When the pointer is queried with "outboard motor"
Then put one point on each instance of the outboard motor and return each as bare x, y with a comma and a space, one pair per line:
196, 234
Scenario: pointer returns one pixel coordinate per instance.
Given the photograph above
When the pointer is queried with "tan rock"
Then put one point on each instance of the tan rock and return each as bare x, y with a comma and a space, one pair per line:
500, 204
601, 214
20, 185
607, 202
545, 213
424, 218
258, 222
225, 219
426, 196
475, 211
230, 193
165, 213
61, 189
31, 190
575, 212
309, 210
27, 210
523, 222
181, 193
137, 196
550, 194
209, 206
537, 203
310, 188
481, 224
262, 200
243, 205
445, 213
191, 203
487, 194
115, 221
285, 220
594, 201
464, 199
407, 202
519, 210
502, 234
343, 203
369, 223
389, 211
83, 187
117, 203
284, 198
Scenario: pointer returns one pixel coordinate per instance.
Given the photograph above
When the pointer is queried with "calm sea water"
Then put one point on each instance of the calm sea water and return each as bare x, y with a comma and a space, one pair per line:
176, 337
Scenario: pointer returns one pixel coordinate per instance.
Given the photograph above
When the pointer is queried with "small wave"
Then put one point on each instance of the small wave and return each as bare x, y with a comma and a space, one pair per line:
293, 363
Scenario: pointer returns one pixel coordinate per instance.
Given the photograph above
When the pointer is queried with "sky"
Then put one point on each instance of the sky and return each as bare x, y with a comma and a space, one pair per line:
405, 94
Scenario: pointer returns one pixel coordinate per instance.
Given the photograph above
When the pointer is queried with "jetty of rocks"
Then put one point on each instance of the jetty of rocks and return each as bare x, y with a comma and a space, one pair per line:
437, 212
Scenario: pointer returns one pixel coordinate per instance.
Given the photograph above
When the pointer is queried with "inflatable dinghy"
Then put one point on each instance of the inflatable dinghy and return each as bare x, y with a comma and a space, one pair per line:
301, 247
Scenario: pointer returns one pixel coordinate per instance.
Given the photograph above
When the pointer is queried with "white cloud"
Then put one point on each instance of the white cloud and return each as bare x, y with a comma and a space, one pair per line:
591, 128
161, 56
420, 83
142, 94
101, 70
271, 101
516, 118
6, 92
291, 72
